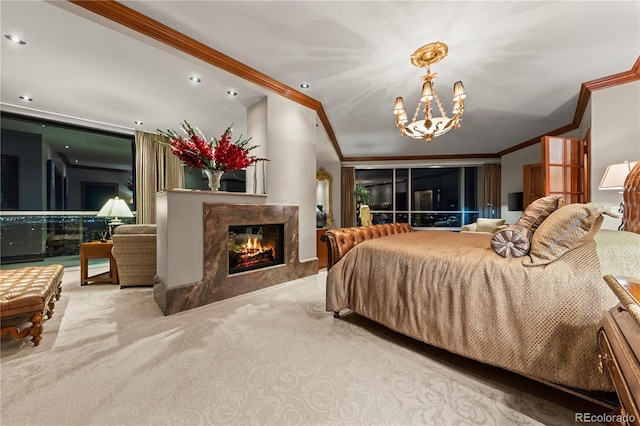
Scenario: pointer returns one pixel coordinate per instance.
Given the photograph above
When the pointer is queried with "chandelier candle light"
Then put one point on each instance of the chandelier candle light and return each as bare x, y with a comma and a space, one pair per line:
430, 127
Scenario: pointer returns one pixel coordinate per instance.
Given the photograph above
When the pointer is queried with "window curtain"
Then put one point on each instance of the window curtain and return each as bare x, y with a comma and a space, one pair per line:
347, 185
156, 169
492, 190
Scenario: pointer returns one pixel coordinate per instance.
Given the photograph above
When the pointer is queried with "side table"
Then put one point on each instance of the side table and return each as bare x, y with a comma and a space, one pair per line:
619, 343
97, 250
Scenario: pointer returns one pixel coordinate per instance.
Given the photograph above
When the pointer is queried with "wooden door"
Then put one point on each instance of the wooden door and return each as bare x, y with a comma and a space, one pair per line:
533, 185
566, 167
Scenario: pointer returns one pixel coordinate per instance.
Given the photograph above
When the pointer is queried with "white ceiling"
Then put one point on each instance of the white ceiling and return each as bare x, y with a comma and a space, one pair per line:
522, 64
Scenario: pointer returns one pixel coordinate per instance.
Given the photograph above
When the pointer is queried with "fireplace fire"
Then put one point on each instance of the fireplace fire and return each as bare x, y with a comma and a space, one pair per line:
255, 246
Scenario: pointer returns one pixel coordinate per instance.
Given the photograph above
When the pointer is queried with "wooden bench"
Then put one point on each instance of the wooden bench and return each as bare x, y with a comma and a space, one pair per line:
31, 290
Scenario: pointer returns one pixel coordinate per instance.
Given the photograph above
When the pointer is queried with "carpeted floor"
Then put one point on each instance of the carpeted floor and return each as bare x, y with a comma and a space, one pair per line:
273, 357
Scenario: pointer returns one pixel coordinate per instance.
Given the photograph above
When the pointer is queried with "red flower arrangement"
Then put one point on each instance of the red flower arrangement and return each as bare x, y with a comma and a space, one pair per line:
219, 154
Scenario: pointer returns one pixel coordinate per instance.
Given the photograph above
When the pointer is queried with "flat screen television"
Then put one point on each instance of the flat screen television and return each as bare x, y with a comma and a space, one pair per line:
514, 201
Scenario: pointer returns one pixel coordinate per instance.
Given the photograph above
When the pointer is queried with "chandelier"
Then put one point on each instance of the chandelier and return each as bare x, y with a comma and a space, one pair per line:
430, 127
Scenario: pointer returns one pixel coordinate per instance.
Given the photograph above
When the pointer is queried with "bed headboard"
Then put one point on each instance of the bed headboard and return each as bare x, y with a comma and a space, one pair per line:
631, 198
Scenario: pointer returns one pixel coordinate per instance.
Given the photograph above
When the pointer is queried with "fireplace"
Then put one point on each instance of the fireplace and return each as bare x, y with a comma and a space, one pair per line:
272, 222
254, 247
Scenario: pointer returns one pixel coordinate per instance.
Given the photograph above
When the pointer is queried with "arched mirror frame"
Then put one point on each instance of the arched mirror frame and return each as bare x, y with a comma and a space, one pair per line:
321, 176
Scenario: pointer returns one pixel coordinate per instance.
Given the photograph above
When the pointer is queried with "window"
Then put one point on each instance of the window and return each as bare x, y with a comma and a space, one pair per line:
444, 197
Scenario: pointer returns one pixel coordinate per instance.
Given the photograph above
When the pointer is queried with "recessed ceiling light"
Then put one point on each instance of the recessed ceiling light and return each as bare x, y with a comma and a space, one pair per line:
15, 39
77, 160
26, 98
139, 123
66, 147
305, 85
232, 93
195, 79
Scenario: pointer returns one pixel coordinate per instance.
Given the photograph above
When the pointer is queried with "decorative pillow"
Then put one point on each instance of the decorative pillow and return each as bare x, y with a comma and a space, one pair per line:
513, 241
565, 229
538, 211
488, 225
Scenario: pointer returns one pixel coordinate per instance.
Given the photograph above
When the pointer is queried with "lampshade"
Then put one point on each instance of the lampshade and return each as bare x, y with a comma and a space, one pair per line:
458, 91
427, 92
615, 175
398, 107
115, 208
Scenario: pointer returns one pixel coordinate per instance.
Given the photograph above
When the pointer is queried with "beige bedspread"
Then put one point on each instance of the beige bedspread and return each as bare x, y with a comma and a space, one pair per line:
452, 291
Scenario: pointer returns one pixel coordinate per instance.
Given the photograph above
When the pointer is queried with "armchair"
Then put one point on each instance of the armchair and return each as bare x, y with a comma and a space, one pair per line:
485, 226
135, 252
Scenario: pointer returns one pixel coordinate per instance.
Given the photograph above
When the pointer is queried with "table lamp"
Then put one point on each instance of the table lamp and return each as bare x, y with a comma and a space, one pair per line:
613, 179
115, 208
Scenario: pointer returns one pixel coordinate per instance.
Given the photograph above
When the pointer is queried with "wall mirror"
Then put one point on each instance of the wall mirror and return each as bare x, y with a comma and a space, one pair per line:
324, 215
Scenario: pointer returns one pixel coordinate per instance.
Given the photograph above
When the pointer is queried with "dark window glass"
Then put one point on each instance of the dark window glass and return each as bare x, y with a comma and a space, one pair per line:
402, 181
470, 193
402, 218
470, 217
379, 183
441, 220
443, 197
380, 218
436, 189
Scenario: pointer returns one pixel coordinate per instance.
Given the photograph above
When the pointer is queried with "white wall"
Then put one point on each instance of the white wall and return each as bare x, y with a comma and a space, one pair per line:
615, 137
331, 163
291, 170
512, 179
257, 130
613, 115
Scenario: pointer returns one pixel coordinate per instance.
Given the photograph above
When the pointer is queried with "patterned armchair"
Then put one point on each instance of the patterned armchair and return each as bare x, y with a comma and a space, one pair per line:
134, 249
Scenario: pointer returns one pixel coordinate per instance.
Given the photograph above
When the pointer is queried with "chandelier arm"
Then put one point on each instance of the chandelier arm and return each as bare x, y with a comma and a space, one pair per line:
415, 114
440, 107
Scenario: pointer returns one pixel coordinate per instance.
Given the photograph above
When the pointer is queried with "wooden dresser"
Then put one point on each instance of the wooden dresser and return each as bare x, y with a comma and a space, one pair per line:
619, 343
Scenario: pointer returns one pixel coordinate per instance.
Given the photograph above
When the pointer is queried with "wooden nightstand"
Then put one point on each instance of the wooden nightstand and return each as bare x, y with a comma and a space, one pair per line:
97, 250
619, 343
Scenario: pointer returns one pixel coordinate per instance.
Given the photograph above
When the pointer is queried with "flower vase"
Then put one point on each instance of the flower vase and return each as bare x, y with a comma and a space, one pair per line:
214, 178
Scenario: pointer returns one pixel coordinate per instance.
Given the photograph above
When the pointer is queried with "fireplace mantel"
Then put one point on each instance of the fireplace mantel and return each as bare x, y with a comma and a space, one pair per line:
193, 226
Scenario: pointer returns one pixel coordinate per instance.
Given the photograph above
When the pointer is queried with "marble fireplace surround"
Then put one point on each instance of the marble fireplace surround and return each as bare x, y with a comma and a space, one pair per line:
217, 284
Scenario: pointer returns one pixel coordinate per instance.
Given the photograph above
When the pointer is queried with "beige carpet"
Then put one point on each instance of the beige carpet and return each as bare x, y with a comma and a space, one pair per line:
272, 357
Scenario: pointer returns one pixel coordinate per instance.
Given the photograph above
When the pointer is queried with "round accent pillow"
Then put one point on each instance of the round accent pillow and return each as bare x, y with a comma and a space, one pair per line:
513, 241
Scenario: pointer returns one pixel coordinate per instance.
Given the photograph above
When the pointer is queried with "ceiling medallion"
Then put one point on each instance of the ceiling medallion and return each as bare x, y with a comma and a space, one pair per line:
430, 127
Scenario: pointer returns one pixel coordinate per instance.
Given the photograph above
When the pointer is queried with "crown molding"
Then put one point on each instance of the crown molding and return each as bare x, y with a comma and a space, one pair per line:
142, 24
583, 100
421, 157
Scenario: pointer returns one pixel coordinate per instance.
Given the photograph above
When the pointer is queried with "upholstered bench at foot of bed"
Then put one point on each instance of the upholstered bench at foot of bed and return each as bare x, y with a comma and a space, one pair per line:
31, 290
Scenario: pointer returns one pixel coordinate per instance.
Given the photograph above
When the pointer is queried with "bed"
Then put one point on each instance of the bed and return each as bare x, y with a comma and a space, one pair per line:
536, 315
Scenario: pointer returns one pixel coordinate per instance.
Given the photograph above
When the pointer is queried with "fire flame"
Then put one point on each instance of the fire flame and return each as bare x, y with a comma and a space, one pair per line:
253, 244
